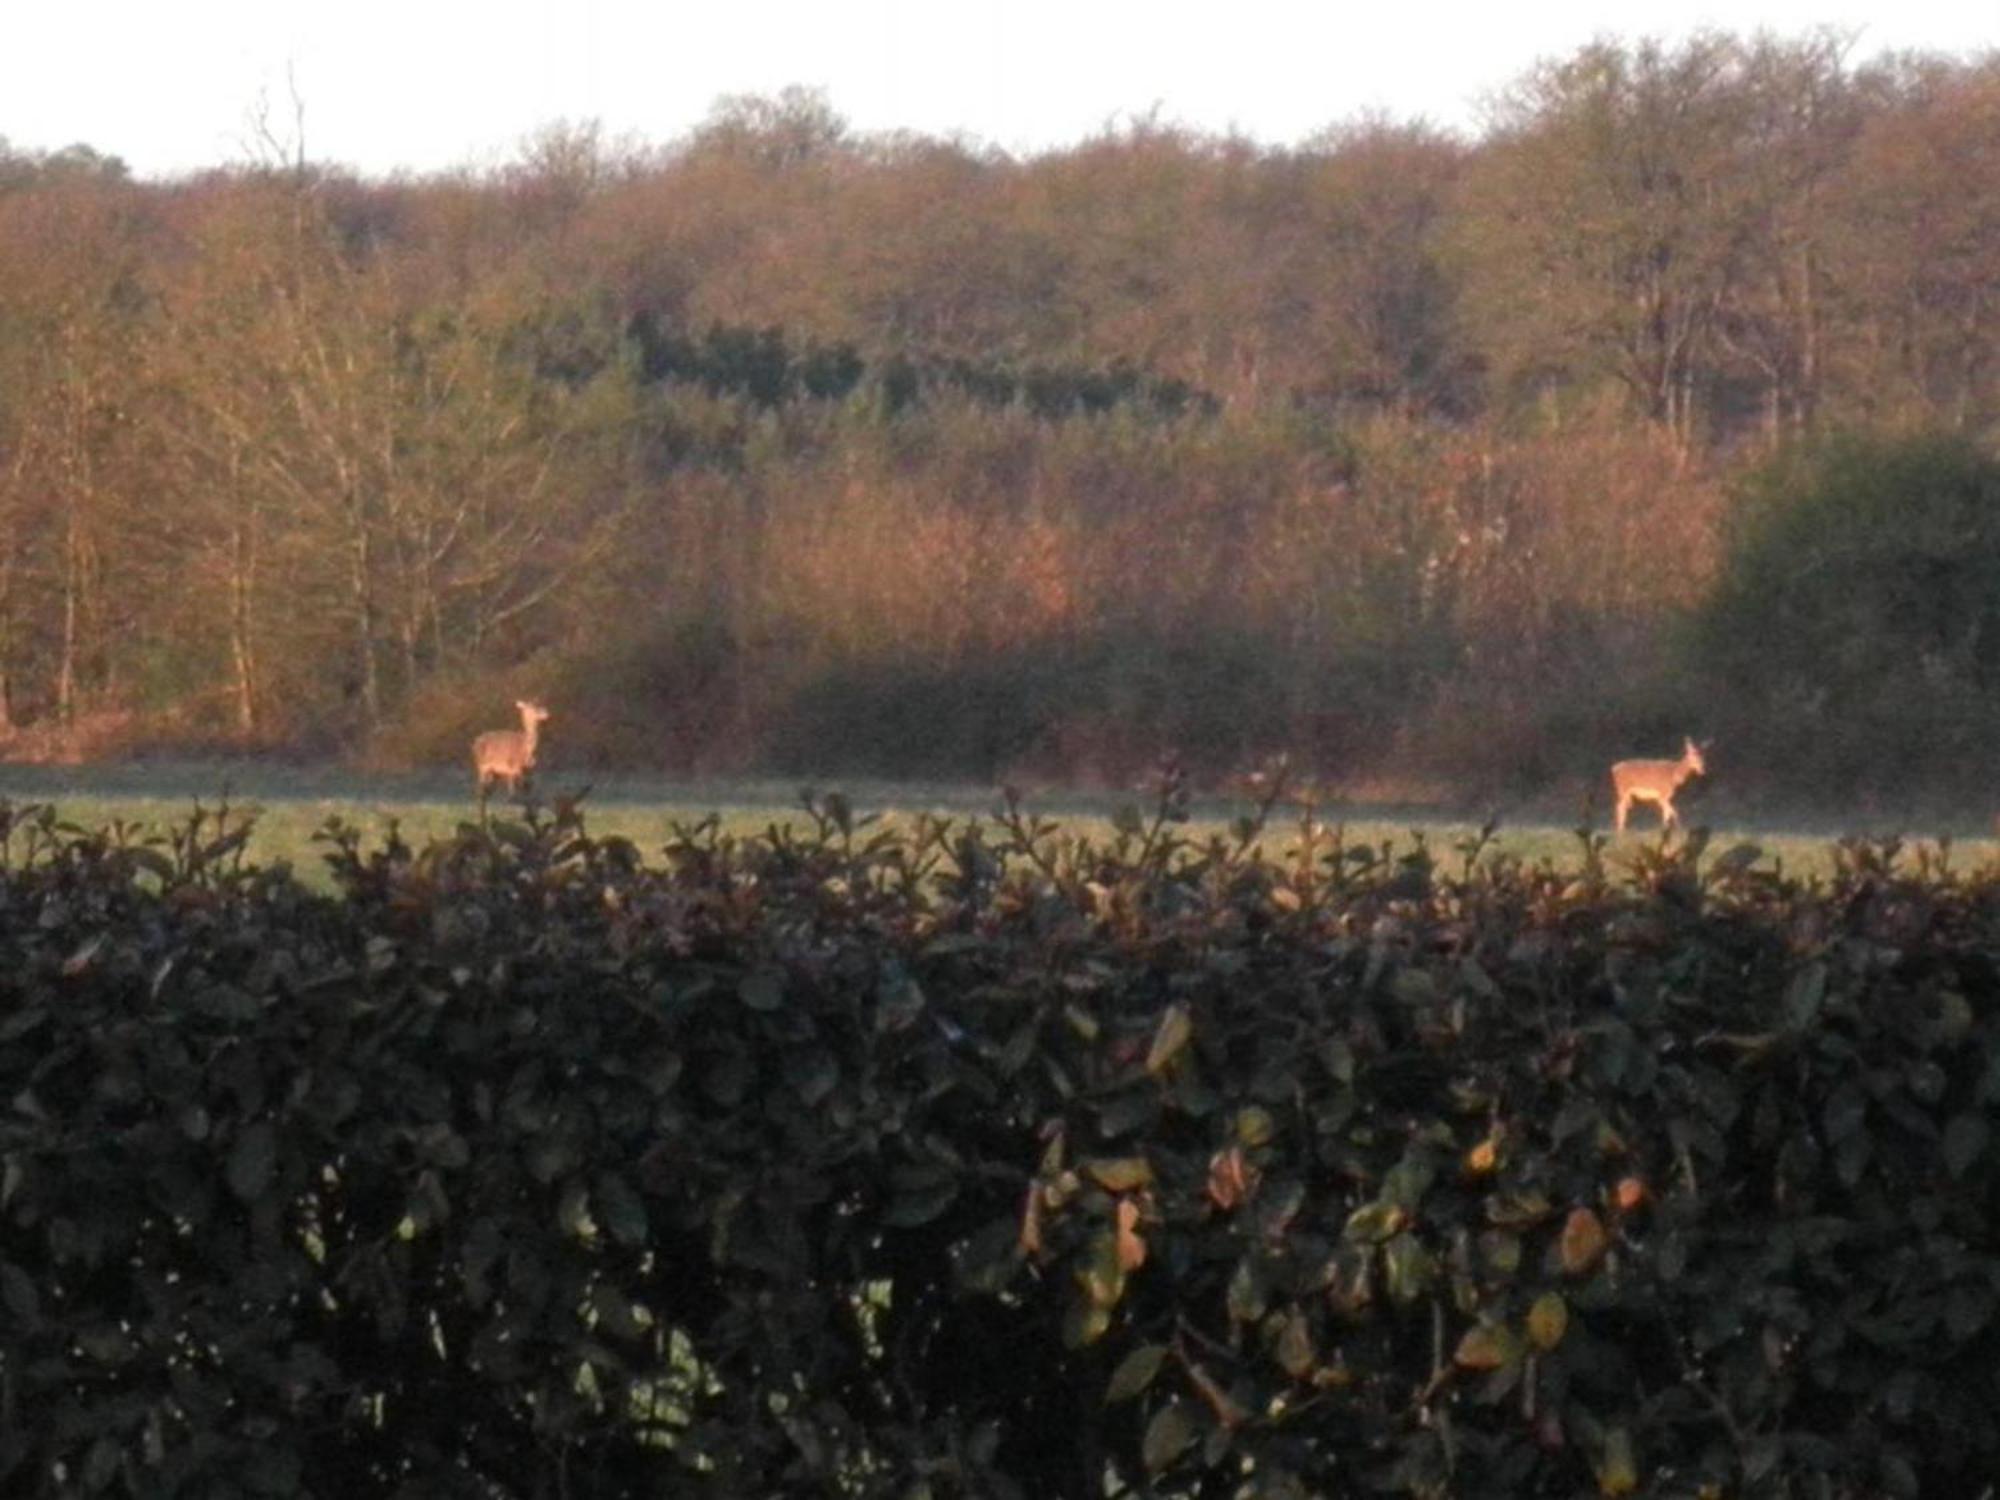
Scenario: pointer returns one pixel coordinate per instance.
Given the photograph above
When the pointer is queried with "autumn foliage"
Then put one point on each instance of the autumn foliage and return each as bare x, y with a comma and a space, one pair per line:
780, 446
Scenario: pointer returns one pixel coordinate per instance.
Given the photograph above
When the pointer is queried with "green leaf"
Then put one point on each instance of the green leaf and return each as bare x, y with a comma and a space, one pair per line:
548, 1156
1475, 978
1135, 1372
1517, 1210
1412, 986
1406, 1183
1167, 1436
1845, 1112
100, 1465
1254, 1125
153, 861
252, 1160
17, 1290
573, 1210
1249, 1290
1899, 1478
1409, 1268
813, 1072
1548, 1320
273, 1469
1618, 1472
107, 1344
918, 1203
622, 1210
1175, 1030
762, 989
429, 1205
1349, 1279
1296, 1355
1337, 1057
1120, 1174
840, 810
1500, 1252
727, 1079
1084, 1321
1967, 1309
988, 1258
1127, 1111
1927, 1081
616, 1314
1101, 1274
1805, 994
1965, 1139
23, 1021
1735, 860
442, 1146
1374, 1222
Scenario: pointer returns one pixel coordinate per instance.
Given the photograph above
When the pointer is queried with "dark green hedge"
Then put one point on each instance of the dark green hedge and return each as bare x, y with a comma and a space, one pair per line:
971, 1160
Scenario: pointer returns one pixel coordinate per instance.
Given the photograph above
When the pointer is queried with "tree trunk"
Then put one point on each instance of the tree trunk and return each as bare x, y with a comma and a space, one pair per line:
66, 672
242, 643
362, 560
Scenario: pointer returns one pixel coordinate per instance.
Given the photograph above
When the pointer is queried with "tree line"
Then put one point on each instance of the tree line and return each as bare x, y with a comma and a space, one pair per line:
785, 446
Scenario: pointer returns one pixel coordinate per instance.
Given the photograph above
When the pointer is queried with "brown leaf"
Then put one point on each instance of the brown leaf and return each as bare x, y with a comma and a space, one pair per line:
1031, 1221
1482, 1158
1583, 1241
1231, 1179
1226, 1410
1486, 1346
1120, 1174
1131, 1248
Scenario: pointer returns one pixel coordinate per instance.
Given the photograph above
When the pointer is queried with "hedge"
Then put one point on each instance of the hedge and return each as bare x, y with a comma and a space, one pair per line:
979, 1158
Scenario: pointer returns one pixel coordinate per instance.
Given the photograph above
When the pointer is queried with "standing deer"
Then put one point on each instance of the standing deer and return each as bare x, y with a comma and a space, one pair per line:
508, 754
1655, 781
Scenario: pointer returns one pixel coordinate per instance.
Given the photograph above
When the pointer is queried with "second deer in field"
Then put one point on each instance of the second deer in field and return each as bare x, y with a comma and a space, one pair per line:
508, 754
1654, 781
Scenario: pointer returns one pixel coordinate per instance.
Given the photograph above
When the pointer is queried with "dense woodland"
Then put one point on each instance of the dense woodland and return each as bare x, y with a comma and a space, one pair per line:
1446, 465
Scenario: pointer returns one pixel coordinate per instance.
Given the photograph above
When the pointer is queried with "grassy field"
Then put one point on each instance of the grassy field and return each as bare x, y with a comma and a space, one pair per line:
292, 803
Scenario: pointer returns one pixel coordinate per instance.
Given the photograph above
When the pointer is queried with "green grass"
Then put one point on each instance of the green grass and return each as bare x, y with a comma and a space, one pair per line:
292, 803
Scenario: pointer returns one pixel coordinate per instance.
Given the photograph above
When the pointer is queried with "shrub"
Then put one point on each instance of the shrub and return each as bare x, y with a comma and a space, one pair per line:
984, 1160
1857, 619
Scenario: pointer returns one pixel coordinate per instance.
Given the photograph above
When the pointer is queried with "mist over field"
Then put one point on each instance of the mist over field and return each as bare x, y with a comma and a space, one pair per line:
1455, 469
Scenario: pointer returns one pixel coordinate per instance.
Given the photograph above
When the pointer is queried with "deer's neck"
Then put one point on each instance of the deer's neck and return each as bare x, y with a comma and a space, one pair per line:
529, 729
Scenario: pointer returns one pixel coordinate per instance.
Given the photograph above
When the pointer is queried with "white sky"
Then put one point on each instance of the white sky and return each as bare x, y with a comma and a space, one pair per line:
171, 85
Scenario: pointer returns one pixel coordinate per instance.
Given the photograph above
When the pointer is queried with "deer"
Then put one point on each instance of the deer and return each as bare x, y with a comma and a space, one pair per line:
508, 754
1655, 781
